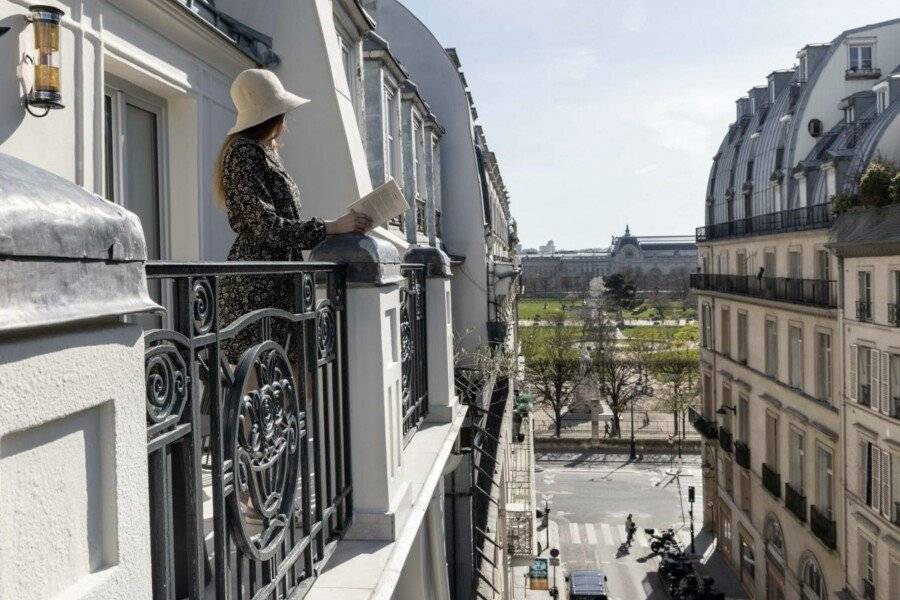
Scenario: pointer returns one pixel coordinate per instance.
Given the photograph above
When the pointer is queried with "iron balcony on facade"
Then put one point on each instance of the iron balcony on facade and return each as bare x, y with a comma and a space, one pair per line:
893, 315
771, 480
797, 219
795, 502
812, 292
868, 590
725, 440
250, 411
742, 454
863, 310
823, 527
705, 427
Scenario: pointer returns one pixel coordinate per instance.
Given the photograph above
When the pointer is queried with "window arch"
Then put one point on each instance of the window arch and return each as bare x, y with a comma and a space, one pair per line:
811, 580
774, 537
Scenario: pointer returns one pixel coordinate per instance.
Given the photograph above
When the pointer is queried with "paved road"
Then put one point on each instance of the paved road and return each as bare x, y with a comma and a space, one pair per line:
591, 494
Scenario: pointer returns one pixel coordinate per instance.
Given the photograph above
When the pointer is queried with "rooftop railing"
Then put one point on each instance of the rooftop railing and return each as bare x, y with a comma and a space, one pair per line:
247, 430
797, 219
812, 292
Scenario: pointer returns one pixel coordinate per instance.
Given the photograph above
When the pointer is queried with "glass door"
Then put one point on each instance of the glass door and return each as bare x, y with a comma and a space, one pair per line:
134, 174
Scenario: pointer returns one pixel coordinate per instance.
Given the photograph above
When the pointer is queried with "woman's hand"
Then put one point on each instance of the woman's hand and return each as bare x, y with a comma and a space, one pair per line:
352, 222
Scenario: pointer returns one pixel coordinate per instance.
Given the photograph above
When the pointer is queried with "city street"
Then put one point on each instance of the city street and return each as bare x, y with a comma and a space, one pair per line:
591, 494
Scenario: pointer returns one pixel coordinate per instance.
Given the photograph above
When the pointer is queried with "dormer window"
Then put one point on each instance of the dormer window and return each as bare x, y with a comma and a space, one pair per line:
850, 114
882, 99
861, 57
803, 73
752, 105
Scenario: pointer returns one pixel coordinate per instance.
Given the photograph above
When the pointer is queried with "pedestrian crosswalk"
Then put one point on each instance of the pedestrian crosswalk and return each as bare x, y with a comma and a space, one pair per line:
604, 534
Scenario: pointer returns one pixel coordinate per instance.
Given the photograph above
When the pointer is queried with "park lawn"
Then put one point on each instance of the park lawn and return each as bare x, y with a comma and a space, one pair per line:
687, 333
547, 309
674, 309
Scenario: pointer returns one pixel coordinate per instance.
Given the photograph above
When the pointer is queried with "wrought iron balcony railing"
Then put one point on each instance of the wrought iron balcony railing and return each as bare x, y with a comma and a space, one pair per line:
823, 527
706, 427
771, 480
807, 217
725, 440
742, 454
795, 502
863, 310
414, 366
893, 315
868, 590
814, 292
247, 429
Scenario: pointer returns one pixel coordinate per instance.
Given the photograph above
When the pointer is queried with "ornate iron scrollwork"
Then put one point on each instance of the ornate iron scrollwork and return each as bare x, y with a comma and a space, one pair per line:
203, 306
325, 329
406, 349
166, 377
309, 293
262, 447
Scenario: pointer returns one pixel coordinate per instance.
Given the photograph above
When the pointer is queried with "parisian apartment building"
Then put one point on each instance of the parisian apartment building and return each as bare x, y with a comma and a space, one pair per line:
355, 447
800, 335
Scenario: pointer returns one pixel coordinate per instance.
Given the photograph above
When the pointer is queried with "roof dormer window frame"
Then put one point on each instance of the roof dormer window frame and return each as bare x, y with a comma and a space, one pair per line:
850, 114
861, 56
882, 96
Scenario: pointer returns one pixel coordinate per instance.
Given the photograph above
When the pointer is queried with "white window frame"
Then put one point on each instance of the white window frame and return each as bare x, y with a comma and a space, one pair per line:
797, 459
824, 489
771, 360
390, 95
858, 47
824, 365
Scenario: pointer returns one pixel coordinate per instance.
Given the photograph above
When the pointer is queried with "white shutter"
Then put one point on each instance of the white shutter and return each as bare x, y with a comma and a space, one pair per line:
876, 478
854, 363
874, 379
861, 473
885, 383
886, 484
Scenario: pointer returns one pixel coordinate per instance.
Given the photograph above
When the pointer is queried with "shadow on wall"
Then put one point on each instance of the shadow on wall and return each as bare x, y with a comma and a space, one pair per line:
10, 87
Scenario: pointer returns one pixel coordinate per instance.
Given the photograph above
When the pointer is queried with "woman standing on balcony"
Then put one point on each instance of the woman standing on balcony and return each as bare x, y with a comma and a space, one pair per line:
263, 206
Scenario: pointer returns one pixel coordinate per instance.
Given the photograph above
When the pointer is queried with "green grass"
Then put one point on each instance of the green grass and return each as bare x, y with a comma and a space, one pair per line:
548, 309
684, 333
671, 310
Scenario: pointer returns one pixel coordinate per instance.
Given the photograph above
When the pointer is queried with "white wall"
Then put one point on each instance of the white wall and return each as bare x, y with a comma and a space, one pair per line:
462, 219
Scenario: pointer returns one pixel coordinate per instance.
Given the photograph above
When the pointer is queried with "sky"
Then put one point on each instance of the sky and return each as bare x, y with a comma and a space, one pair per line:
604, 113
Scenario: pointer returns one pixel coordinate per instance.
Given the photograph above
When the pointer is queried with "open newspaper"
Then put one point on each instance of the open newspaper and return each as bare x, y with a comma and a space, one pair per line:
382, 204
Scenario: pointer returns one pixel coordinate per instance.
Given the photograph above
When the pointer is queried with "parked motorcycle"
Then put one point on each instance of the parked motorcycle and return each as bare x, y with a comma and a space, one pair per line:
666, 540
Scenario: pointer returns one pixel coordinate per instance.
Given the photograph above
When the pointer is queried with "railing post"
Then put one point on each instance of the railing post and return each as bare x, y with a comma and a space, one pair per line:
73, 457
442, 401
374, 375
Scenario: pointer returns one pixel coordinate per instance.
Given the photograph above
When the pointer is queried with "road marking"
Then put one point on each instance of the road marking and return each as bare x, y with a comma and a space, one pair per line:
573, 529
591, 534
641, 538
607, 534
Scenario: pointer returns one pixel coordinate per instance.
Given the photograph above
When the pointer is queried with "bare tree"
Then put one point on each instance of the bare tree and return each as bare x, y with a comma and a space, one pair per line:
618, 368
553, 365
677, 373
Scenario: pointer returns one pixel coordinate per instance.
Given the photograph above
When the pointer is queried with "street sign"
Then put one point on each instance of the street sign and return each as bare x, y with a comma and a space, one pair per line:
554, 553
538, 574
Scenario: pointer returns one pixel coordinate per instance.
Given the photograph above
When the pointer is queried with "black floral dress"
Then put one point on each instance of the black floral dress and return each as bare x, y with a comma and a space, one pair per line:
263, 205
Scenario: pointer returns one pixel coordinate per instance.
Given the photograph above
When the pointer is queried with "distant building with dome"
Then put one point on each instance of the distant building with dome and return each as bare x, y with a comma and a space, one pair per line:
656, 263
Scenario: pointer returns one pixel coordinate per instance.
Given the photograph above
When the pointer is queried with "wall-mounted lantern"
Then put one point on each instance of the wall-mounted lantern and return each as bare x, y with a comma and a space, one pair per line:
45, 92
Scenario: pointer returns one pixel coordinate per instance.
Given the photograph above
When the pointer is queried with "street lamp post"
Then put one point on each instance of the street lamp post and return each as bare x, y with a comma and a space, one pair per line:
633, 452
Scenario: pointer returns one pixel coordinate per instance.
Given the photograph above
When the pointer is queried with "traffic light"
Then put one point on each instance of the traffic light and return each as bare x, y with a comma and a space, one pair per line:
690, 493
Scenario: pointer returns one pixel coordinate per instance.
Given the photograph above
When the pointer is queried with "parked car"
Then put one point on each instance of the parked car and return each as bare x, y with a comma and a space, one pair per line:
587, 585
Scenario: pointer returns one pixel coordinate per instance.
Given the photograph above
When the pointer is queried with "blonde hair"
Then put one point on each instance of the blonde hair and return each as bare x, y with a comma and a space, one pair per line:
267, 131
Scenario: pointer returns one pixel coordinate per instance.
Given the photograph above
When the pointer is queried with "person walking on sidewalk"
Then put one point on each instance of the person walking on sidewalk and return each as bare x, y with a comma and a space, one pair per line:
630, 528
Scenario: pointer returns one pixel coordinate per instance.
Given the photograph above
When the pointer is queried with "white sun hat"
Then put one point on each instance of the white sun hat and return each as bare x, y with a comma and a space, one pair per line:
258, 96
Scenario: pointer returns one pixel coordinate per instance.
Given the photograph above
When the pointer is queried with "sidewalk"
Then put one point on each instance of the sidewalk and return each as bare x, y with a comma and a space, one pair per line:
520, 574
710, 563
